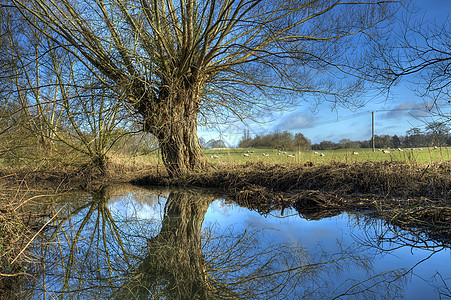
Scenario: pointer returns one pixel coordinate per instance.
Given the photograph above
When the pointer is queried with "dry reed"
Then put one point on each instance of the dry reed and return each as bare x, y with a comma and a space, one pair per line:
406, 194
20, 225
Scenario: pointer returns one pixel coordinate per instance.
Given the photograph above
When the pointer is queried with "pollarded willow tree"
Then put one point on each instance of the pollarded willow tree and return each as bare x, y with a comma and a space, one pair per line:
177, 62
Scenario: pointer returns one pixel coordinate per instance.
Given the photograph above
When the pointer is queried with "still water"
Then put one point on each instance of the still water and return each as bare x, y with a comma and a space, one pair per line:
126, 242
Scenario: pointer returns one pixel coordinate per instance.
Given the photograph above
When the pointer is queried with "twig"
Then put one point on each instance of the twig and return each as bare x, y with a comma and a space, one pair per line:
36, 234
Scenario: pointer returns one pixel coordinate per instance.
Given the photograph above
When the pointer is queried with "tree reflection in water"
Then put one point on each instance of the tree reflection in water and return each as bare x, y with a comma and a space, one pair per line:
94, 253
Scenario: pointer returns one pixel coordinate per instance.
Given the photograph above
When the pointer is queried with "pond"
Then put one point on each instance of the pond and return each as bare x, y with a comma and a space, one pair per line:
126, 242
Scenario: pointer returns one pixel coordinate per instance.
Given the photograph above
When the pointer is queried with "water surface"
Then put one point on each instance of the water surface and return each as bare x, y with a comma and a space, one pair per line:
126, 242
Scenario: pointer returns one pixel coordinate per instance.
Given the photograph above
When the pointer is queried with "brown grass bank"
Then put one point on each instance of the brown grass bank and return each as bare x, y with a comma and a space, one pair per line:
411, 195
64, 177
387, 179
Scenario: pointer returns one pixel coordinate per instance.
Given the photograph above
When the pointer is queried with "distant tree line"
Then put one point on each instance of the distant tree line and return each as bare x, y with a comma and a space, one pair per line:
211, 144
435, 134
276, 140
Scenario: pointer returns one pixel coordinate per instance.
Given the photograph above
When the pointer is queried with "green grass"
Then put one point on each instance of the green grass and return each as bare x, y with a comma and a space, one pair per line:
426, 155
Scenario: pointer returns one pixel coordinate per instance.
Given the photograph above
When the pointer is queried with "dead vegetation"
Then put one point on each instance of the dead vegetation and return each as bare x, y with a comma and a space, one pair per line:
84, 175
21, 222
387, 179
17, 228
410, 195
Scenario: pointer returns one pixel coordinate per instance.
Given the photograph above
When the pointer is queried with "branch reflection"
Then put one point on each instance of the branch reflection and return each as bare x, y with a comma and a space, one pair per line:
156, 247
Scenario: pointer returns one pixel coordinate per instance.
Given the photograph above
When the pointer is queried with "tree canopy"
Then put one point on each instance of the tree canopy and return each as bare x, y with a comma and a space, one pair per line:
177, 63
277, 140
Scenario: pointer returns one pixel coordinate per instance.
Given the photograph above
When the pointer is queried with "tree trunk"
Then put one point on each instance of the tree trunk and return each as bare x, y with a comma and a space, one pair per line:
173, 120
180, 150
175, 267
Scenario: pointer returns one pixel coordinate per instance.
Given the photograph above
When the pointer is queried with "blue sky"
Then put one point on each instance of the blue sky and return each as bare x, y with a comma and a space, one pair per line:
393, 115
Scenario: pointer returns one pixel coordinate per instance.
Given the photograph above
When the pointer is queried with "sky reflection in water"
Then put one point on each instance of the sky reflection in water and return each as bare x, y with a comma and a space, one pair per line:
334, 233
348, 256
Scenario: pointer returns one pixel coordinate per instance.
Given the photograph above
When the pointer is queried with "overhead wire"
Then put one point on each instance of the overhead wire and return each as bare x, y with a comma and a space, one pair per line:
337, 120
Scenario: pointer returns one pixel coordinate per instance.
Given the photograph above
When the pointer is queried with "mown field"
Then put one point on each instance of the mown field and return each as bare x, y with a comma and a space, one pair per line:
240, 155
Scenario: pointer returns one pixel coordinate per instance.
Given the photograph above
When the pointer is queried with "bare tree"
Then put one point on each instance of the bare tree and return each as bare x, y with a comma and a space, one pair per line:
12, 117
4, 61
59, 102
422, 54
439, 132
181, 62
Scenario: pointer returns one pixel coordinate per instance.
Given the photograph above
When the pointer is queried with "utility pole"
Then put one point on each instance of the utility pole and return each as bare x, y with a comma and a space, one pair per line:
372, 131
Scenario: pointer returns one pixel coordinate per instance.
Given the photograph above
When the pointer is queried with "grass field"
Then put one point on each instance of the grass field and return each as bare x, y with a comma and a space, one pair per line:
240, 155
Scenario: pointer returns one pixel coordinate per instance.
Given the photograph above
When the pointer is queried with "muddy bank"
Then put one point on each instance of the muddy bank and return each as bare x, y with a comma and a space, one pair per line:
386, 179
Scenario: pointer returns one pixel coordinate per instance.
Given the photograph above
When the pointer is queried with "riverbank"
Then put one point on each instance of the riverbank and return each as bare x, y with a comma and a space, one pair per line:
411, 195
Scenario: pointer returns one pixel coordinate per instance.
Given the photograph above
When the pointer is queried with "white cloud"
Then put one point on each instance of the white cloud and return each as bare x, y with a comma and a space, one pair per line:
407, 109
398, 111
